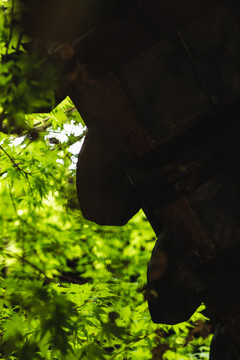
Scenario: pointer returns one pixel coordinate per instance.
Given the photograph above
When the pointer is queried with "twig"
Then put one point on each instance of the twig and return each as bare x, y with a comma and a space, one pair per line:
71, 142
11, 159
3, 173
13, 203
129, 345
34, 266
69, 110
37, 126
42, 272
18, 167
70, 279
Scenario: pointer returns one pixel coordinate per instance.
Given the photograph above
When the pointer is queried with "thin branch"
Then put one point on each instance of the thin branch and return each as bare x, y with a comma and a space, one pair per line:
3, 173
34, 266
69, 110
18, 167
132, 342
13, 203
71, 142
29, 184
70, 279
39, 126
11, 159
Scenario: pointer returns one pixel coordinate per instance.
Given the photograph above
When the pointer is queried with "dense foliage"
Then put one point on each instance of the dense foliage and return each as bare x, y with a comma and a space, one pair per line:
69, 289
27, 82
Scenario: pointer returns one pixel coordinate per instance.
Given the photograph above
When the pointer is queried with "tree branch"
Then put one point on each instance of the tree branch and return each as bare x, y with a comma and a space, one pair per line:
18, 167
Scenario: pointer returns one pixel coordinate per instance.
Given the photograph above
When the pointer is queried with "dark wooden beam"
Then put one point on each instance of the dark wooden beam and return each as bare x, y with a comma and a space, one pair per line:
128, 33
